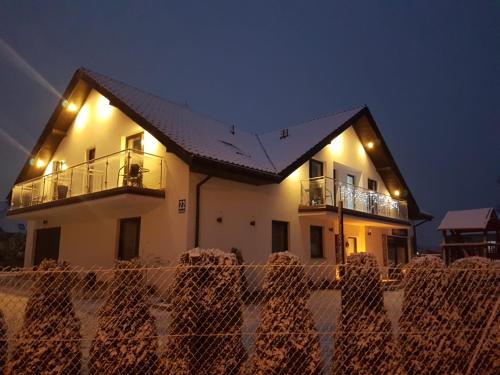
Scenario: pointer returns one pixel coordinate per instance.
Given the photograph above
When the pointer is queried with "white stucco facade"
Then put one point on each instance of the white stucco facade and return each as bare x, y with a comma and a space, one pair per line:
232, 214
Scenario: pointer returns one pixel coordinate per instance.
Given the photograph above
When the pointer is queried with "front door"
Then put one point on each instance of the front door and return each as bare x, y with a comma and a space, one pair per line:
47, 244
397, 254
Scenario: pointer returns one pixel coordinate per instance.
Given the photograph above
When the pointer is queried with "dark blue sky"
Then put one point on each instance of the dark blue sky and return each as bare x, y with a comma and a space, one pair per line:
429, 71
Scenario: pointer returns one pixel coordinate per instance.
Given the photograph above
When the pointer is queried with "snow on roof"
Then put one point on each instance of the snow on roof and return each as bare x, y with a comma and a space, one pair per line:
301, 138
200, 135
467, 219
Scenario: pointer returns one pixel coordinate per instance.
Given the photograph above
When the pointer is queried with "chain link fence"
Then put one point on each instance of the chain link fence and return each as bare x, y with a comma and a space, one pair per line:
213, 315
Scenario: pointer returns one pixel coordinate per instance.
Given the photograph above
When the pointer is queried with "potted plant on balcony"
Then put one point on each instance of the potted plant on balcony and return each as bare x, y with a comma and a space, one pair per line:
62, 191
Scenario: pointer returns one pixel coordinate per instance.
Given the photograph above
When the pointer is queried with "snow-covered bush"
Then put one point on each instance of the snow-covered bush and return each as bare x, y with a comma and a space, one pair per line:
364, 343
287, 342
429, 335
126, 340
3, 342
49, 339
474, 291
205, 329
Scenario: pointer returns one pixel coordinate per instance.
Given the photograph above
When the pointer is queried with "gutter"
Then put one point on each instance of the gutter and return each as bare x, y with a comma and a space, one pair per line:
197, 219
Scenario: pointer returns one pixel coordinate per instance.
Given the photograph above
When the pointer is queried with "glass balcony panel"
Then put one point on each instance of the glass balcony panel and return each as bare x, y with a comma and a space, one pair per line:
125, 168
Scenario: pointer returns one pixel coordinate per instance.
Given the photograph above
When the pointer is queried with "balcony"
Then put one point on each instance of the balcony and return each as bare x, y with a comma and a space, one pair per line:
325, 192
127, 171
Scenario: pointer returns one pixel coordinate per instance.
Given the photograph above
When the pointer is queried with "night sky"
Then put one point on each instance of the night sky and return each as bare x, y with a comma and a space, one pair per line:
429, 72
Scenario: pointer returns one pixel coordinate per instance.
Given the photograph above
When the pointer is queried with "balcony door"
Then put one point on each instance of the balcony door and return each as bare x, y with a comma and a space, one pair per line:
135, 160
90, 169
316, 184
349, 192
47, 244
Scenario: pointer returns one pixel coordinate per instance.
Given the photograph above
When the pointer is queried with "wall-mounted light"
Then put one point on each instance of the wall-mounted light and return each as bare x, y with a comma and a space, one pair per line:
40, 163
219, 219
370, 145
252, 223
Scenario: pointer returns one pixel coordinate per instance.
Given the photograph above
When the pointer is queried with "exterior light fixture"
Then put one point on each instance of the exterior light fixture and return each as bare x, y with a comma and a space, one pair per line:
72, 107
370, 145
397, 193
69, 106
40, 163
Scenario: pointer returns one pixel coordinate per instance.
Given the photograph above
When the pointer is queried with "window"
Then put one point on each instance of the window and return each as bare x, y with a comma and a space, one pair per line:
279, 236
316, 240
350, 179
372, 185
315, 168
128, 246
135, 142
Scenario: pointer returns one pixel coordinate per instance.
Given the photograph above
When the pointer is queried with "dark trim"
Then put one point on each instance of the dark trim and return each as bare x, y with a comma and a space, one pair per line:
89, 197
228, 171
197, 217
346, 211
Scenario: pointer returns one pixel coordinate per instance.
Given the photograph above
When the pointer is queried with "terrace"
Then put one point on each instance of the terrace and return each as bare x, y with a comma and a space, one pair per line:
324, 193
127, 171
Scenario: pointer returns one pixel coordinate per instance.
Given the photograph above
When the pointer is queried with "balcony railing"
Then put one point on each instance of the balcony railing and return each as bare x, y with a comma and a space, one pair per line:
325, 191
127, 168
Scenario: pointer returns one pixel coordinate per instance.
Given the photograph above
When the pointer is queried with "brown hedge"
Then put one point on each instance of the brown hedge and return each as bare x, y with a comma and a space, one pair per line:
49, 339
126, 340
205, 330
287, 342
363, 341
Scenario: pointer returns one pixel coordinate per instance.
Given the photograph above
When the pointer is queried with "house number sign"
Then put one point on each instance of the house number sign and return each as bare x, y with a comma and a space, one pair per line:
182, 206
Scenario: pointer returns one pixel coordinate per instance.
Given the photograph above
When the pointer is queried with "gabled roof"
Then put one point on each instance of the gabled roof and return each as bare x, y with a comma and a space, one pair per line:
213, 147
476, 219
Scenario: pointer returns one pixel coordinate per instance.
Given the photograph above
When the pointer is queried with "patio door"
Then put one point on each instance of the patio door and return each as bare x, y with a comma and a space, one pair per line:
47, 244
135, 160
349, 192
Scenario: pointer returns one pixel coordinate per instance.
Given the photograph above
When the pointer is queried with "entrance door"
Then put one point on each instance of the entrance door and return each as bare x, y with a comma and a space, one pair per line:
47, 244
397, 254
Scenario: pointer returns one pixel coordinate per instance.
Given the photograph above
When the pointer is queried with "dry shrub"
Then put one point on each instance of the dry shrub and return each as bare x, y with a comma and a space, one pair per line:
474, 292
428, 323
49, 339
205, 329
3, 342
287, 342
364, 343
126, 341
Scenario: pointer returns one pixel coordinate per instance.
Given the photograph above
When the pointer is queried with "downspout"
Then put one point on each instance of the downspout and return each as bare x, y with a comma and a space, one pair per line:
197, 219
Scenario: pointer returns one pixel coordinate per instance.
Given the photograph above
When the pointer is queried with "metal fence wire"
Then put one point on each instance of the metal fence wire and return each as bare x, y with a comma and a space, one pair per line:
211, 314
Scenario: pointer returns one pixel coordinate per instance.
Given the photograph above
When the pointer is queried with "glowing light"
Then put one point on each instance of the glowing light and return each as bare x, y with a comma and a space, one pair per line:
104, 109
40, 163
370, 145
337, 145
361, 151
82, 118
295, 174
64, 166
397, 193
72, 107
149, 143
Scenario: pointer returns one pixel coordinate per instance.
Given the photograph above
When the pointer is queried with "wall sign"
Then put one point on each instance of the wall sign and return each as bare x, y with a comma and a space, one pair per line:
182, 206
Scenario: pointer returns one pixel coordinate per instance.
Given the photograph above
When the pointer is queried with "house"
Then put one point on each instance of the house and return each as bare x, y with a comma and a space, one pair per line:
119, 173
470, 233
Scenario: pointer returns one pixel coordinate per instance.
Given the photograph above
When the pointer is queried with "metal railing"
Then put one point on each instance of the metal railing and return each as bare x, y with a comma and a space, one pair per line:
325, 191
124, 168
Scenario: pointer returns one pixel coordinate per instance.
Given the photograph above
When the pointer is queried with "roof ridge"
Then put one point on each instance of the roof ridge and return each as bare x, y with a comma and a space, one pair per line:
265, 153
359, 108
181, 106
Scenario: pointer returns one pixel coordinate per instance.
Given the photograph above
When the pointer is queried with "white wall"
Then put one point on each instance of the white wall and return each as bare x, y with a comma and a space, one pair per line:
165, 232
